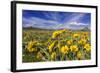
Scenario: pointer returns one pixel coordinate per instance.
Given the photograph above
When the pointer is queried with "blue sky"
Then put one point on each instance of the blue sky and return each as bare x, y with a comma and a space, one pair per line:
55, 19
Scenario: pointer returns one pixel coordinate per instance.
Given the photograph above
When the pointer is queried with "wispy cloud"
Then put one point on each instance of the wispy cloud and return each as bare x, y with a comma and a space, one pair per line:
73, 22
40, 23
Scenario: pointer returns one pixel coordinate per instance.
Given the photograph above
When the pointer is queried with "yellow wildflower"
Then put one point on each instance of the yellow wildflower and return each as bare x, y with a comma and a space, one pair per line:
85, 33
82, 41
30, 46
39, 55
73, 48
53, 56
59, 45
79, 55
51, 46
62, 31
76, 35
69, 42
32, 49
64, 49
87, 47
57, 33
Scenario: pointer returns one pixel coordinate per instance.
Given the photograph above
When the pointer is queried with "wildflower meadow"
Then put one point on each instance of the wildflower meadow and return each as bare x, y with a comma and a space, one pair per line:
55, 45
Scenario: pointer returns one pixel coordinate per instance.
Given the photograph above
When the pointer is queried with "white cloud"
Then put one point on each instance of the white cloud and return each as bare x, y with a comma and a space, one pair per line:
78, 24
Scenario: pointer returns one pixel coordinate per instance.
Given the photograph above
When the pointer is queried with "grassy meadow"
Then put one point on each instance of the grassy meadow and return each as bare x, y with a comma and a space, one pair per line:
41, 45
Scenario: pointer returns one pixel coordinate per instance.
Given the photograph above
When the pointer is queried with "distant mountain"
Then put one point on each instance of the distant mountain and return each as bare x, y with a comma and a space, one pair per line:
36, 28
54, 28
85, 29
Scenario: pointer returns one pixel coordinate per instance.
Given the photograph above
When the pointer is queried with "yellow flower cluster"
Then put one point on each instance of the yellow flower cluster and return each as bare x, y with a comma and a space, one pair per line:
82, 41
58, 45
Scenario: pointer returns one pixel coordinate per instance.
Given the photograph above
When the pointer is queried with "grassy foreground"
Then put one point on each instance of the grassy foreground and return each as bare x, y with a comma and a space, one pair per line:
55, 45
